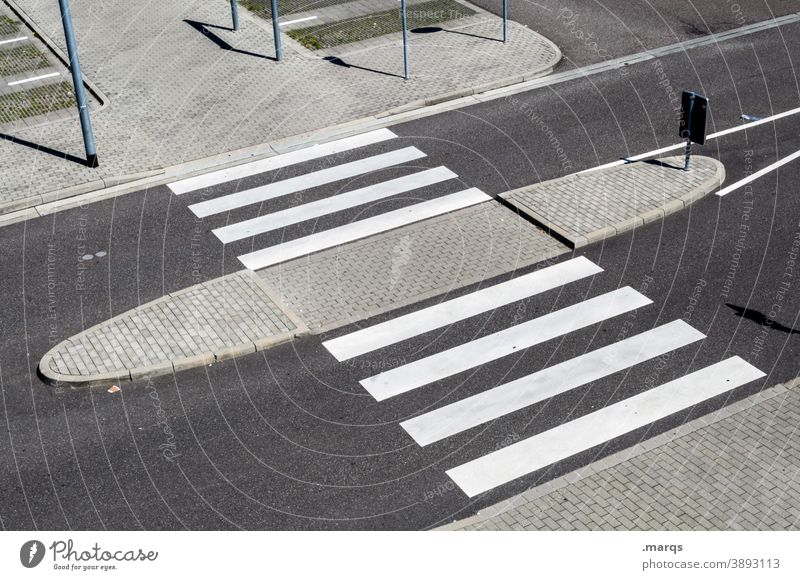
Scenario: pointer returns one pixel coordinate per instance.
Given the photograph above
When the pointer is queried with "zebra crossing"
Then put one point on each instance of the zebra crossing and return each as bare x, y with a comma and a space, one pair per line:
308, 212
544, 449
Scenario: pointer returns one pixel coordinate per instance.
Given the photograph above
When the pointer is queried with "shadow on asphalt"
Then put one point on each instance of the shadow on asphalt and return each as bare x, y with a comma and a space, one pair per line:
761, 319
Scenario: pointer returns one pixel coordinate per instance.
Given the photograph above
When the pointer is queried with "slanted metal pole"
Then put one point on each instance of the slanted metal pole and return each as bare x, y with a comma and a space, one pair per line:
688, 155
505, 21
77, 81
235, 14
276, 30
404, 8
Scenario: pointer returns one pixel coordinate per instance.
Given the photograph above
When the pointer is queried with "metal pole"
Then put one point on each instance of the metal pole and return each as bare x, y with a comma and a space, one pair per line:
235, 14
276, 30
77, 81
405, 40
505, 21
688, 155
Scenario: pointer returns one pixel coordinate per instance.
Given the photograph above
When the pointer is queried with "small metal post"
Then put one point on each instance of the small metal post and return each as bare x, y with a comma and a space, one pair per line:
405, 39
235, 14
688, 155
276, 30
77, 81
505, 21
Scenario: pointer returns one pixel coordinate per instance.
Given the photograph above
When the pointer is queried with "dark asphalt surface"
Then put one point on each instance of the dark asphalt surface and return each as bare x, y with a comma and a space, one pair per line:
288, 439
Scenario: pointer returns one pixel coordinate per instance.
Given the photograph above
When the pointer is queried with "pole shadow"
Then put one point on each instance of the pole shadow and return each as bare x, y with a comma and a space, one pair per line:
658, 163
45, 149
433, 29
761, 319
339, 62
203, 29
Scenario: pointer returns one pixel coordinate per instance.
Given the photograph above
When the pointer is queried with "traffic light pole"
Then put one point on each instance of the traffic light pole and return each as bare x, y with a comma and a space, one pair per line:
404, 9
77, 81
276, 31
235, 14
505, 21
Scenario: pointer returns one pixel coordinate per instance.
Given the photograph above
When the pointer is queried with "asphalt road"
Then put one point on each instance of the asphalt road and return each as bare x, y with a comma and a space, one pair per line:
288, 439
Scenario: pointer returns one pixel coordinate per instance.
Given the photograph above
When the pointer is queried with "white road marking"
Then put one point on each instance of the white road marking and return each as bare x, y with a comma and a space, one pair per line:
30, 80
279, 161
494, 346
596, 428
295, 21
9, 41
682, 145
445, 313
305, 181
760, 173
539, 386
280, 219
363, 228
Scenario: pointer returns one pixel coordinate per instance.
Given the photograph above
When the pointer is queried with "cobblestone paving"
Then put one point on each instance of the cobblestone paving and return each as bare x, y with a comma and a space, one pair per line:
181, 87
384, 272
736, 469
204, 319
588, 207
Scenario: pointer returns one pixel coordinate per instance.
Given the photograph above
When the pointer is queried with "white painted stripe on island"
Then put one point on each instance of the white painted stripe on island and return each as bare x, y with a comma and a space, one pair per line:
279, 161
601, 426
30, 80
305, 181
445, 313
296, 20
549, 382
503, 343
362, 229
677, 146
10, 40
294, 215
760, 173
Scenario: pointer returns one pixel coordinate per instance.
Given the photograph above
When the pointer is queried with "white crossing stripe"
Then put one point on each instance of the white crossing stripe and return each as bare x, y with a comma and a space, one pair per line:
510, 340
280, 161
280, 219
596, 428
306, 181
363, 228
445, 313
539, 386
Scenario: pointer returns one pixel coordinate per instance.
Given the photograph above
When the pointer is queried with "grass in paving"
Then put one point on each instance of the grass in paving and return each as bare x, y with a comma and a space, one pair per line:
36, 101
8, 26
20, 59
285, 7
378, 24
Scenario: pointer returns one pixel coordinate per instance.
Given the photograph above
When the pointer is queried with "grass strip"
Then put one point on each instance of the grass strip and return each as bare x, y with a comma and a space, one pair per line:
263, 8
36, 101
20, 59
8, 26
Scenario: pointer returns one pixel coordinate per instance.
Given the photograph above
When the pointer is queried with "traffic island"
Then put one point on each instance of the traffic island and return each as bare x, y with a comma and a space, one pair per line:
227, 317
591, 206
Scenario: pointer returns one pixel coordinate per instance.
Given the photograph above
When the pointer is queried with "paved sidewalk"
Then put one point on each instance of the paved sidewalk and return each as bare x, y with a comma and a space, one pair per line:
588, 207
182, 87
735, 469
223, 318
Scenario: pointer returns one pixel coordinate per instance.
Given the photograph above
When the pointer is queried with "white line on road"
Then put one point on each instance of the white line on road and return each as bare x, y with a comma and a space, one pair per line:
759, 173
362, 229
280, 161
596, 428
682, 145
20, 39
549, 382
294, 215
306, 181
30, 80
445, 313
510, 340
288, 22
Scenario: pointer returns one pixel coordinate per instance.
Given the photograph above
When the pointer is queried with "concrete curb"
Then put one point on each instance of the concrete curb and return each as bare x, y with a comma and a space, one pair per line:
579, 241
619, 457
172, 366
109, 187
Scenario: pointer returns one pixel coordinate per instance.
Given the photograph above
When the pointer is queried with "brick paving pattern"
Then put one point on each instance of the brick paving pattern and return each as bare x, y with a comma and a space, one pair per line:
206, 318
403, 266
588, 207
736, 469
180, 91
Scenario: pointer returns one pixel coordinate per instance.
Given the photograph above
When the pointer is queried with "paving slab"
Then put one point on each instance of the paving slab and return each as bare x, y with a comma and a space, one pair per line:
227, 317
589, 207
